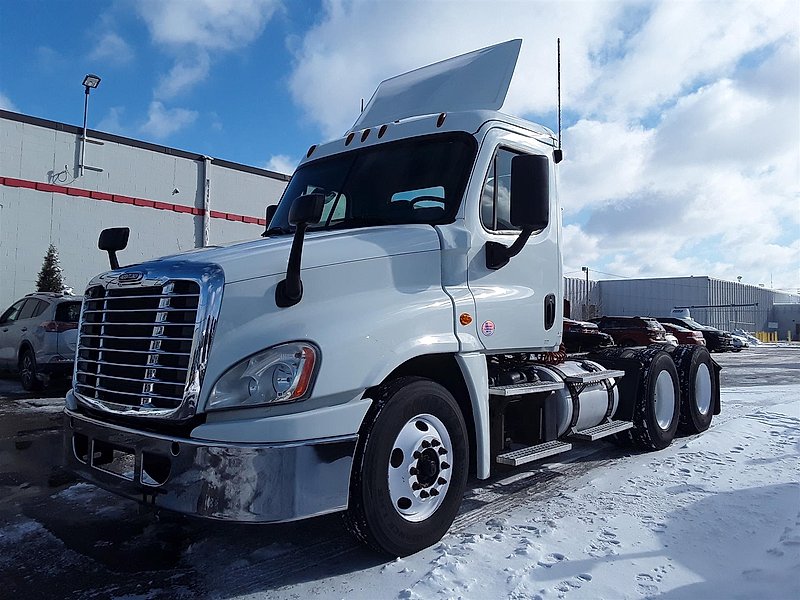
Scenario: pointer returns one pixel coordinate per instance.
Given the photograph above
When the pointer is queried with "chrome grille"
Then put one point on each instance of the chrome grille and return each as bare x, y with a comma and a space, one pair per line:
136, 343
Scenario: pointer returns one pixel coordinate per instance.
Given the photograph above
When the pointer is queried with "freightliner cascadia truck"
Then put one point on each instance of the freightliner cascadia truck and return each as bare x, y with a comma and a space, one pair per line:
395, 332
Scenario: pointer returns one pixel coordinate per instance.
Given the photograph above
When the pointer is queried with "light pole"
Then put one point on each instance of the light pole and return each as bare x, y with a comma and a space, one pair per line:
89, 82
586, 306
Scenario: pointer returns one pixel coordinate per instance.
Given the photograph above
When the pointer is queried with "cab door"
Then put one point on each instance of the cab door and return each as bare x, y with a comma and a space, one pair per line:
518, 304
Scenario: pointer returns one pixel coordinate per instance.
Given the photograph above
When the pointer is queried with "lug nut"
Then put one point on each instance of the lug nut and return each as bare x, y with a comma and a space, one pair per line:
435, 443
417, 455
441, 481
442, 451
425, 444
415, 486
445, 465
423, 494
412, 471
434, 492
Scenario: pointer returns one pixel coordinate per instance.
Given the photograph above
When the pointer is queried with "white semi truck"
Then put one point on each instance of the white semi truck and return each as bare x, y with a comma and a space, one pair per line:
395, 332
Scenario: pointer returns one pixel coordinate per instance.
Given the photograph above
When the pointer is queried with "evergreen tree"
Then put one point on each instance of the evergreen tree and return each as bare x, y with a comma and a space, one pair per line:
50, 278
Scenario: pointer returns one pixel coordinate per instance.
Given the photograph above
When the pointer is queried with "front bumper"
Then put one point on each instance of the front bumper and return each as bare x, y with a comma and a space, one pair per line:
237, 482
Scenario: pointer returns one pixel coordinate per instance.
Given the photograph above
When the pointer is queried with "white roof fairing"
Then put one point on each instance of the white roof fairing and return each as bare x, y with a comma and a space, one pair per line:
477, 80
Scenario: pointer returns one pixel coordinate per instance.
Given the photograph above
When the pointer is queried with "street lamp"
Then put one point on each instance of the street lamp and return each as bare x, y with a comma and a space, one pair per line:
89, 83
586, 270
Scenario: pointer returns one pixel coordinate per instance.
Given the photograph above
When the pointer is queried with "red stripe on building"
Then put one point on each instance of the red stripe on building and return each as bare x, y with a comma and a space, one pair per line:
120, 199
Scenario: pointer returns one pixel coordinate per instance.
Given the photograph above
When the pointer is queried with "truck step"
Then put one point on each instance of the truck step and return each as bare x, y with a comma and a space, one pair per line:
516, 389
602, 430
593, 377
531, 453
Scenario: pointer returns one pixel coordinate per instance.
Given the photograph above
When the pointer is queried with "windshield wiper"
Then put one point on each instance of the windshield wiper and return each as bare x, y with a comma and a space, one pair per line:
275, 231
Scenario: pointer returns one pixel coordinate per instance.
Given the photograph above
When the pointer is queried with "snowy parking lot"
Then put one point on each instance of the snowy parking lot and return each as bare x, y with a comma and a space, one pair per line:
712, 516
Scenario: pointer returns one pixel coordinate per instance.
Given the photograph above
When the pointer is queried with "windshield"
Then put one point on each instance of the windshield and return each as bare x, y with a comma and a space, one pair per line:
419, 180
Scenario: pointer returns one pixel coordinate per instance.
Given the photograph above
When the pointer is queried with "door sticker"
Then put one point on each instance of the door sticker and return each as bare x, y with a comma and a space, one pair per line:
487, 328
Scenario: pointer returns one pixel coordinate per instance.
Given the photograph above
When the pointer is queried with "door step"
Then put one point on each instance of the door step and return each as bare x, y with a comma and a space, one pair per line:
593, 377
517, 389
601, 431
531, 453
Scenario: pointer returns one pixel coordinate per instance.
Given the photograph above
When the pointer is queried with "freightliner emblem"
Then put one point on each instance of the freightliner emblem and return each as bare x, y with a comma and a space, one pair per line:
131, 277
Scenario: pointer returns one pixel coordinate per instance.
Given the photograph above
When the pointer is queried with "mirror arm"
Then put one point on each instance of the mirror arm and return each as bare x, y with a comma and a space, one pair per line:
498, 255
290, 290
112, 259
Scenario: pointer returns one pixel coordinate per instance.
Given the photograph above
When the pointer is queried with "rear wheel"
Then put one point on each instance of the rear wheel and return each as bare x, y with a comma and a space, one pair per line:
28, 373
657, 411
410, 468
696, 374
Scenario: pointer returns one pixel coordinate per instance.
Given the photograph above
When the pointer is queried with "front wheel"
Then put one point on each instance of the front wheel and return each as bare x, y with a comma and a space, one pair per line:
410, 469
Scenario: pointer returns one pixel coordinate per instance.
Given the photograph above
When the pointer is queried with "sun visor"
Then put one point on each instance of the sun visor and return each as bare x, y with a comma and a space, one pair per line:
477, 80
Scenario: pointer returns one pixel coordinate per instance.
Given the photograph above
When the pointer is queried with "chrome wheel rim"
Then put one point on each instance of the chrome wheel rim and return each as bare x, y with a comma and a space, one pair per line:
664, 400
702, 389
420, 468
26, 373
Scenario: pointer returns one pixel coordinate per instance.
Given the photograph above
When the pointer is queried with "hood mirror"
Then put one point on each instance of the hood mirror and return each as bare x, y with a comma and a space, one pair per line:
304, 210
112, 240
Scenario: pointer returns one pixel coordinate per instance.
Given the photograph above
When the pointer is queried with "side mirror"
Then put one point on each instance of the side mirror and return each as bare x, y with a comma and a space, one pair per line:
530, 191
112, 240
530, 206
270, 212
306, 209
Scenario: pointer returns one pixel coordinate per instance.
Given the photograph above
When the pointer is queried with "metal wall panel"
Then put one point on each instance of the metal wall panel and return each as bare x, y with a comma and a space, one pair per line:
43, 152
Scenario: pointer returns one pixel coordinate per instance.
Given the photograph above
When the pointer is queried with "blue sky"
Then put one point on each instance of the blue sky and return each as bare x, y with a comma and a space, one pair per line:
682, 134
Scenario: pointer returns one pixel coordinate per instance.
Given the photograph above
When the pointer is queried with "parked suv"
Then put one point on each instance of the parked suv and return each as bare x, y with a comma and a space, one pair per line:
580, 336
684, 335
38, 335
716, 339
632, 331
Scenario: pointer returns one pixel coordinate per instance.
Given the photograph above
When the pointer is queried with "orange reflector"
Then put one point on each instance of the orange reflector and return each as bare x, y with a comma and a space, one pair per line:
465, 318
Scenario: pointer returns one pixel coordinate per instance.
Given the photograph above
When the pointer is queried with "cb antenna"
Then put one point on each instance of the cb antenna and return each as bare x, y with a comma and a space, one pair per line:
558, 153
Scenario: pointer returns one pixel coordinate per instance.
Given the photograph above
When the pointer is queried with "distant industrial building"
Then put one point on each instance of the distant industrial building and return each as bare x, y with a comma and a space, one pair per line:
723, 304
171, 199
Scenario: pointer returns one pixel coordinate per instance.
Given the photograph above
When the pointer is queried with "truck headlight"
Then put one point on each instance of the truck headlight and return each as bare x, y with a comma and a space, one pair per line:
283, 373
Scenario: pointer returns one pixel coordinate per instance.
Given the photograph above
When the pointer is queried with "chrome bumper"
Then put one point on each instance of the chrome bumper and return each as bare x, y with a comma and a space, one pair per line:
237, 482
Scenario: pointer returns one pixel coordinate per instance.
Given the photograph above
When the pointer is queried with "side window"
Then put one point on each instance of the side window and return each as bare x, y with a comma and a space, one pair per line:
41, 308
12, 313
496, 194
27, 310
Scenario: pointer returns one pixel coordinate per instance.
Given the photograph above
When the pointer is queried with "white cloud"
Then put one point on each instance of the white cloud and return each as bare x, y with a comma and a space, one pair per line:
281, 163
163, 122
6, 103
195, 30
682, 150
184, 75
210, 24
112, 48
112, 121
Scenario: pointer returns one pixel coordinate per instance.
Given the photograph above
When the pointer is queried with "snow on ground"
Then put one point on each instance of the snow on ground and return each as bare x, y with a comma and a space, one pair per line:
713, 516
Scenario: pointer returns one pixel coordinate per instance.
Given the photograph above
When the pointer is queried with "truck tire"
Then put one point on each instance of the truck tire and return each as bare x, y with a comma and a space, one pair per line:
28, 373
657, 411
410, 468
695, 372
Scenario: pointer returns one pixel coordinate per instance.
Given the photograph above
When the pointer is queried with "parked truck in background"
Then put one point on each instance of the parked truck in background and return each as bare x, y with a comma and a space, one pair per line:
396, 331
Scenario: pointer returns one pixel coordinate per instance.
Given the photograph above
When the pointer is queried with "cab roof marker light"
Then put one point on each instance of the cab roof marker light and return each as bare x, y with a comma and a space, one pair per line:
440, 120
382, 130
349, 138
365, 135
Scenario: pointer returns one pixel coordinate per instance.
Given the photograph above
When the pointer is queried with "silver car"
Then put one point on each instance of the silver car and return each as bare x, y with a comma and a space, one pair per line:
38, 335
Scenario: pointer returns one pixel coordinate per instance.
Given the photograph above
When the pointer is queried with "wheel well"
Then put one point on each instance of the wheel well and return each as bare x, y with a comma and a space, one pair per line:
444, 370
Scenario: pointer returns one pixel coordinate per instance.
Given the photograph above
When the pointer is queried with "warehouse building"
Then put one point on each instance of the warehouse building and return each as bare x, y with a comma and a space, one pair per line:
724, 304
171, 199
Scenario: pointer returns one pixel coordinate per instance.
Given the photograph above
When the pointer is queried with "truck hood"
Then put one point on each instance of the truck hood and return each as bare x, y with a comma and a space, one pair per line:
269, 256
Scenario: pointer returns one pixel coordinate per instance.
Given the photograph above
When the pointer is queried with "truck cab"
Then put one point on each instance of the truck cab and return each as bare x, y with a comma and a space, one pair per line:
396, 330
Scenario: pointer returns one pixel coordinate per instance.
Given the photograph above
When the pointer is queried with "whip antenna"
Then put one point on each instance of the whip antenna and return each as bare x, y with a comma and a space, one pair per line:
558, 153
